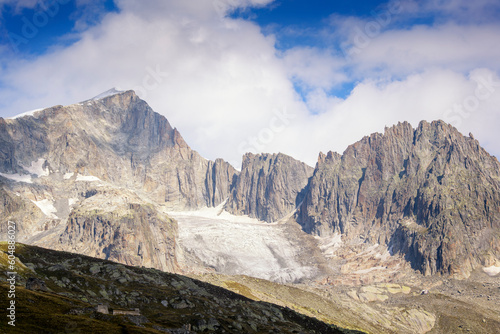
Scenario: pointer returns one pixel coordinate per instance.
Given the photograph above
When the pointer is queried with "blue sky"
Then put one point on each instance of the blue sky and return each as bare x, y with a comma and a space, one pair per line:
41, 25
307, 13
33, 30
292, 76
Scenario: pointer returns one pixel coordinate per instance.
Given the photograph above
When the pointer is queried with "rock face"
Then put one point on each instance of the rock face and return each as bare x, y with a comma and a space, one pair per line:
430, 193
96, 176
123, 230
118, 139
269, 186
218, 182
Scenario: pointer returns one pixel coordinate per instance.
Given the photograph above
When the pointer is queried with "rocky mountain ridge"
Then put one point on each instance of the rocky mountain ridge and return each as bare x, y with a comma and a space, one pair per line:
99, 178
429, 193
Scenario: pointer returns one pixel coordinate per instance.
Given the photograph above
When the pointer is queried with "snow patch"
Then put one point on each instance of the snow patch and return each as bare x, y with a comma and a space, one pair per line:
110, 92
72, 201
87, 178
26, 178
47, 207
36, 168
27, 113
68, 176
492, 271
329, 245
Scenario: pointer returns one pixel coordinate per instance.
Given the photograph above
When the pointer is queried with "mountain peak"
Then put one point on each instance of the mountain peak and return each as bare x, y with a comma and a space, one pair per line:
109, 92
415, 190
269, 186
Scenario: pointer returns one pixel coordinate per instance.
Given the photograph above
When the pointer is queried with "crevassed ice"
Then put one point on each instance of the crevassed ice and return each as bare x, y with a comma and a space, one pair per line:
246, 247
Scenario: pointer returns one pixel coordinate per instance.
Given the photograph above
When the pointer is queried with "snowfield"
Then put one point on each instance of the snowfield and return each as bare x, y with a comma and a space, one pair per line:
27, 113
492, 271
36, 168
18, 177
47, 207
236, 245
110, 92
85, 178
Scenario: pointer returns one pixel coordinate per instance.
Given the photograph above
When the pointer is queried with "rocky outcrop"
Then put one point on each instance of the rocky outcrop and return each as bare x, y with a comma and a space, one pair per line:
269, 186
429, 193
29, 219
118, 226
35, 284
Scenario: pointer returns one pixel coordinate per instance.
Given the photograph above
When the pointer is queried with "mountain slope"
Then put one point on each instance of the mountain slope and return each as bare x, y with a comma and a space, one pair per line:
86, 177
385, 308
429, 193
63, 291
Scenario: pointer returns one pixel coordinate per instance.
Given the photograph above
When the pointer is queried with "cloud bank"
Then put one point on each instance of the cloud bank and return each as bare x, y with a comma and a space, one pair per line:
227, 88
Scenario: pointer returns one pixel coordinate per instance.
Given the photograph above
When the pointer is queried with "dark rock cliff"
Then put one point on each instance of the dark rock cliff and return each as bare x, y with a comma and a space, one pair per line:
269, 186
218, 182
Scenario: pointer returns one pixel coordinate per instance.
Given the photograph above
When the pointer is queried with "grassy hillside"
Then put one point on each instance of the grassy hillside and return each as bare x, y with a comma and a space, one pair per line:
168, 303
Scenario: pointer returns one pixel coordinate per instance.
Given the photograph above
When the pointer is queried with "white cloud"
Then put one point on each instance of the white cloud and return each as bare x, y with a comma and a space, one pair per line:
228, 90
460, 48
313, 67
89, 12
19, 4
214, 76
456, 10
